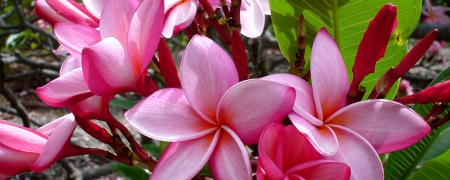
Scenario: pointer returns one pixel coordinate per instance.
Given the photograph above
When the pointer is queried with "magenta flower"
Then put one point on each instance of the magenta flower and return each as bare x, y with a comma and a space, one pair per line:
179, 15
353, 134
115, 59
435, 14
285, 153
212, 117
20, 146
67, 11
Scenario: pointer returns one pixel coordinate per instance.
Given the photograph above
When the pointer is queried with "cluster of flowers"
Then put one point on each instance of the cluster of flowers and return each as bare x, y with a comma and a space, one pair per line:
212, 111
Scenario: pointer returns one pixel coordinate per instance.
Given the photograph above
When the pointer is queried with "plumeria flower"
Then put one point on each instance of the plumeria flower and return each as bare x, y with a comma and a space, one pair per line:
212, 117
285, 153
439, 92
435, 14
115, 59
179, 15
353, 134
20, 147
68, 11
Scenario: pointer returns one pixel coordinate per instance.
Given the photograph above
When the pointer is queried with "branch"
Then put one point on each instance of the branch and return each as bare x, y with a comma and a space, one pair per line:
38, 64
21, 111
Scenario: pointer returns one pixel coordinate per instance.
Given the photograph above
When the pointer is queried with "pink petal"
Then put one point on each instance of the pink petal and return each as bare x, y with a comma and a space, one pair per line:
206, 72
74, 12
265, 6
252, 18
65, 90
321, 169
330, 85
21, 138
13, 161
48, 129
179, 16
183, 160
95, 107
3, 176
167, 115
250, 106
47, 13
270, 153
387, 125
116, 18
321, 137
106, 69
229, 159
95, 7
357, 153
145, 30
304, 103
74, 37
55, 145
71, 63
296, 148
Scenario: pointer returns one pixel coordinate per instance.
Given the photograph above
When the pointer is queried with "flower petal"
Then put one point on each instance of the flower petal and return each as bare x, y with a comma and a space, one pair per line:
71, 63
304, 101
206, 72
65, 90
95, 107
321, 169
145, 30
229, 159
95, 7
387, 125
15, 161
321, 137
55, 145
74, 37
250, 106
296, 148
357, 153
270, 153
183, 160
44, 11
330, 85
167, 115
21, 138
179, 16
74, 12
106, 69
252, 18
116, 18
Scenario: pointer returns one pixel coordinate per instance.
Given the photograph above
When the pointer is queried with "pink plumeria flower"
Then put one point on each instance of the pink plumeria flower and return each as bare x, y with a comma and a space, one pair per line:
70, 90
285, 153
353, 134
179, 15
435, 14
115, 59
68, 11
212, 117
252, 17
20, 146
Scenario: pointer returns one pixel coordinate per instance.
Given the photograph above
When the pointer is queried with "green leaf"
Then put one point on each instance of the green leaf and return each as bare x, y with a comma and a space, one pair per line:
153, 149
401, 164
346, 21
439, 147
131, 172
438, 168
123, 103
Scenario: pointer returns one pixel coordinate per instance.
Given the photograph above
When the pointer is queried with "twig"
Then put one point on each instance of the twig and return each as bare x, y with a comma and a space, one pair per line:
14, 112
39, 64
21, 111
